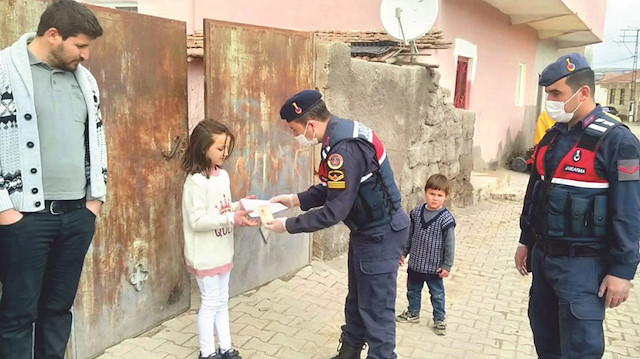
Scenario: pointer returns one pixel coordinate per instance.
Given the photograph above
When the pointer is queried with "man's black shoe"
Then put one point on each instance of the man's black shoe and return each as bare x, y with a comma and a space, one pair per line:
348, 352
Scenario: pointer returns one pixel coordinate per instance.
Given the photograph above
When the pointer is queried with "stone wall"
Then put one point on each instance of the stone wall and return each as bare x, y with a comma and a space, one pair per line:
422, 132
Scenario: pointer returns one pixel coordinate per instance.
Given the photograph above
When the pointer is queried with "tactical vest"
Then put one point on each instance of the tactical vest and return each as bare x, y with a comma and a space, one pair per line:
378, 196
570, 204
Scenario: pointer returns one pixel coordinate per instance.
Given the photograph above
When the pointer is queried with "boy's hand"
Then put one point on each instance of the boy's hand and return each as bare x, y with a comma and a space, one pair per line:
442, 273
401, 261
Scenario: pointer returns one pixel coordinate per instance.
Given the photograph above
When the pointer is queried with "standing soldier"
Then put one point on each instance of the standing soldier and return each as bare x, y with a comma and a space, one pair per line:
580, 216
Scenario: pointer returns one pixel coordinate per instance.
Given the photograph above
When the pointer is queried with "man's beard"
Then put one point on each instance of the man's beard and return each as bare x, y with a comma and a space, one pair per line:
58, 56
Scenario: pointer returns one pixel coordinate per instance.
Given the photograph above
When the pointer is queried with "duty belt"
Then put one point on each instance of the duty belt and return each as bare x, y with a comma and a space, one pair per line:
562, 249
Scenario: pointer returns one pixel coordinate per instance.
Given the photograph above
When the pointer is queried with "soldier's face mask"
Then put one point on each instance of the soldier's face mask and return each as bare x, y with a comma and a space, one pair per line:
555, 109
302, 138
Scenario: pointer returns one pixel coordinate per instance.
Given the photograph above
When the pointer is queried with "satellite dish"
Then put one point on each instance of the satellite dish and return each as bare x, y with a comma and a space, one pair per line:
407, 20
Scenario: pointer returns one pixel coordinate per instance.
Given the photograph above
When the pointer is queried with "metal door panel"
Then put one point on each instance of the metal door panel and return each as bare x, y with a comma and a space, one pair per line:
140, 66
249, 72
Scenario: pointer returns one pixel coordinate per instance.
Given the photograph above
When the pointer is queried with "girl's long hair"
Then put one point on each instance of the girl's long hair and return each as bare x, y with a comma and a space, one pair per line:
195, 157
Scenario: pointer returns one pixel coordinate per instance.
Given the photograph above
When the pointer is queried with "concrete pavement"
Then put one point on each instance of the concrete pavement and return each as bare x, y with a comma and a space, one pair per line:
300, 316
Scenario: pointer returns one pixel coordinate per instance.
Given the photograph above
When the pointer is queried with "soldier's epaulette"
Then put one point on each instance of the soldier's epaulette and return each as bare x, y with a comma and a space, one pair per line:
595, 131
600, 126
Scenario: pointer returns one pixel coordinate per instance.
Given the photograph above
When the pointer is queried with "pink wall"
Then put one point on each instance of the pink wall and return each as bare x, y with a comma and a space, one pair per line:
295, 15
172, 9
591, 12
500, 48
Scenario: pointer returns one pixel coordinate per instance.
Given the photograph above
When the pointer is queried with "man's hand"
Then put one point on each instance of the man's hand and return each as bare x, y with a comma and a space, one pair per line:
401, 261
521, 259
94, 206
241, 219
10, 216
288, 200
616, 291
277, 225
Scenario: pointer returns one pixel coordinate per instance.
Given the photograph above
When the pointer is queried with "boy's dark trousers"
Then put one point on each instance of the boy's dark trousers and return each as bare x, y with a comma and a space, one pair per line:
415, 283
41, 258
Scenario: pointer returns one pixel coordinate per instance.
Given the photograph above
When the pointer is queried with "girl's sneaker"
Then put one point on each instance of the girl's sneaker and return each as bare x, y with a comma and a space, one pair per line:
215, 355
408, 317
230, 354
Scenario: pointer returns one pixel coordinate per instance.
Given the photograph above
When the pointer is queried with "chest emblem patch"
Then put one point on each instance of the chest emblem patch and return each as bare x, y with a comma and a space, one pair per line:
577, 155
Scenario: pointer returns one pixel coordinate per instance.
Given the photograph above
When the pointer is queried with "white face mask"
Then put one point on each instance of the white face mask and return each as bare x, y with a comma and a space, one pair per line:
555, 110
302, 138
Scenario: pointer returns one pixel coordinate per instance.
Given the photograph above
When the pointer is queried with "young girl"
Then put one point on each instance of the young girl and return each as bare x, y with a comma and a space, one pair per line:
208, 220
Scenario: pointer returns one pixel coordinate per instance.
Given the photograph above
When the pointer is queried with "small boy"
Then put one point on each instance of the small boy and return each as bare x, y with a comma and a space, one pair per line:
431, 248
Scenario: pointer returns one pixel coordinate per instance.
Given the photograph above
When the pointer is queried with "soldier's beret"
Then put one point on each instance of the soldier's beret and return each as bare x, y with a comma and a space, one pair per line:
298, 104
563, 67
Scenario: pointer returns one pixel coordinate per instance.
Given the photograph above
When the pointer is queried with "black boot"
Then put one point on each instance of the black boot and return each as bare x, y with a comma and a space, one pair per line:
348, 352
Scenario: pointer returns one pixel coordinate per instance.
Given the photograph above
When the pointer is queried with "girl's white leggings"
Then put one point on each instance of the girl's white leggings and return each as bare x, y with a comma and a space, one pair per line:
214, 313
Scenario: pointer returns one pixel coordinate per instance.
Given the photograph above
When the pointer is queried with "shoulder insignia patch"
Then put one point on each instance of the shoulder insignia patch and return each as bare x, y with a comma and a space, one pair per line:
336, 180
629, 170
335, 161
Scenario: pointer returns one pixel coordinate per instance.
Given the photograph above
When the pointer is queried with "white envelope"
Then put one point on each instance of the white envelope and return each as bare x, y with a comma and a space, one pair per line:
252, 204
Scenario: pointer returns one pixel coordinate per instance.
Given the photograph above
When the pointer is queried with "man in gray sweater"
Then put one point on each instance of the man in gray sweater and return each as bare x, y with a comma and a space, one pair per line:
52, 178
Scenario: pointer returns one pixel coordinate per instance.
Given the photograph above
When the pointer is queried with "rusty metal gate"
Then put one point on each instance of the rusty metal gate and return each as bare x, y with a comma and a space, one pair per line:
134, 276
249, 72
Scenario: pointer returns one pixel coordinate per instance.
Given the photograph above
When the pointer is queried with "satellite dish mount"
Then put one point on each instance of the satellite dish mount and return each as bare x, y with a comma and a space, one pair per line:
412, 44
408, 20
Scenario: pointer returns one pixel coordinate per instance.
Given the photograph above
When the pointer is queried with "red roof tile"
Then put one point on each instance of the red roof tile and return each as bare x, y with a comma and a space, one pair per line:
433, 40
610, 78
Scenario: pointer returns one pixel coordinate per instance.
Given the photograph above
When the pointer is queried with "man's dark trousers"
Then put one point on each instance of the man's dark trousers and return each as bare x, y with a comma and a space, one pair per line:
565, 311
370, 304
41, 258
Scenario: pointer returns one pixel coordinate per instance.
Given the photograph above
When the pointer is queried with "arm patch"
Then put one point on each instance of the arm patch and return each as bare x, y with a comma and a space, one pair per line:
629, 170
336, 180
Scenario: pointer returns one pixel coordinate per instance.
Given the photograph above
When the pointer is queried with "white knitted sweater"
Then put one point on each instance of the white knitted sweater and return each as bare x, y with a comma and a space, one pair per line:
20, 167
207, 215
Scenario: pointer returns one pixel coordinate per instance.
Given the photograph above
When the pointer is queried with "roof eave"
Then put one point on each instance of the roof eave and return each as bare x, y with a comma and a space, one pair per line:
552, 19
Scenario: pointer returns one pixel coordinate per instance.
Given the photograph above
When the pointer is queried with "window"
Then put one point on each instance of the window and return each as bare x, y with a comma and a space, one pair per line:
128, 8
461, 97
622, 96
612, 96
522, 72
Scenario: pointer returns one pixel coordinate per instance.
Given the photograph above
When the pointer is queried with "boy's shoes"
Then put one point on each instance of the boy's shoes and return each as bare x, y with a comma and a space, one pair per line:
440, 327
408, 317
215, 355
230, 354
